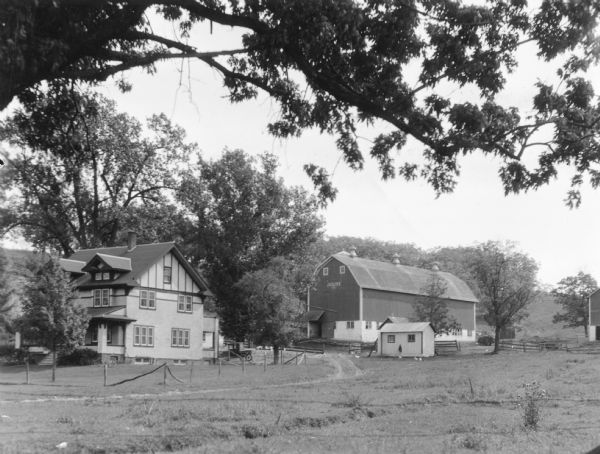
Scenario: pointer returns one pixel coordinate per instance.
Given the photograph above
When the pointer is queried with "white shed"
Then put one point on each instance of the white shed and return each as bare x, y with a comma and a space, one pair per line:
416, 339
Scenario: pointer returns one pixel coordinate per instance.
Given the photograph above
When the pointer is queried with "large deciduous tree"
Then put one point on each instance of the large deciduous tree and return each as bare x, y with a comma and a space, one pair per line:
506, 283
432, 307
50, 316
573, 293
81, 173
333, 64
244, 217
273, 305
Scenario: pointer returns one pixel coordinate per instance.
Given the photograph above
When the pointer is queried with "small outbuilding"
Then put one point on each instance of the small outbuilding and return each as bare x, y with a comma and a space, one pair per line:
406, 339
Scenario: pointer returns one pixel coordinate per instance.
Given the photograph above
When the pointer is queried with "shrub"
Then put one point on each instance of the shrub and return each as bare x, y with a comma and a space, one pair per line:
11, 356
530, 404
80, 357
485, 340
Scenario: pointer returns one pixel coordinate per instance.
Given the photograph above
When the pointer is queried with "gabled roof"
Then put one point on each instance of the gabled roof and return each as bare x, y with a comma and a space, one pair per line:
405, 327
313, 316
373, 274
111, 261
140, 258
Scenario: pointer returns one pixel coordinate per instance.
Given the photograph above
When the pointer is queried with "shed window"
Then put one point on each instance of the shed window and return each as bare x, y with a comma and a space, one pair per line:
411, 338
350, 325
167, 275
325, 271
391, 339
342, 269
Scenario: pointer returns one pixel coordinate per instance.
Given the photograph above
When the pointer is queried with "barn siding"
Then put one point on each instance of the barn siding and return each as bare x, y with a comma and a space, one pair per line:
379, 304
336, 294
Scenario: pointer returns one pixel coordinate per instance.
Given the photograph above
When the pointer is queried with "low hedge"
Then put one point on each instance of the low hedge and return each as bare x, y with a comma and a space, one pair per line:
80, 357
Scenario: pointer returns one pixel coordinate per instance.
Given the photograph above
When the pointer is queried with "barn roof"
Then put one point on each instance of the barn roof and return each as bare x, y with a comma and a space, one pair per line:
404, 327
374, 274
140, 258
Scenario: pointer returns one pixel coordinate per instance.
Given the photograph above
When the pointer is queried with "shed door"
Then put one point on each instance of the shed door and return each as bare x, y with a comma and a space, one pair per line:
389, 345
412, 345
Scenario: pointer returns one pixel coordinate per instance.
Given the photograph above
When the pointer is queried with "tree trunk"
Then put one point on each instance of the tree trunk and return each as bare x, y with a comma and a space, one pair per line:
275, 354
54, 364
497, 340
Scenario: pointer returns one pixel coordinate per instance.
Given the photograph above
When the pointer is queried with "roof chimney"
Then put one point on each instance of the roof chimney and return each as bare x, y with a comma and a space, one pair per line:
353, 251
131, 240
435, 266
396, 259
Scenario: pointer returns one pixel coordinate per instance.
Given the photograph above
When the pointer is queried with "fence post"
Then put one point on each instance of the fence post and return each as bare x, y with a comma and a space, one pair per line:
305, 358
523, 346
165, 375
105, 373
281, 357
297, 354
191, 371
219, 367
243, 365
265, 362
27, 370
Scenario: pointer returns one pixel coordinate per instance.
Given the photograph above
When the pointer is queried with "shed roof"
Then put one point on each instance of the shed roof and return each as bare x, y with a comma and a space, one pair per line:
140, 258
405, 327
374, 274
313, 316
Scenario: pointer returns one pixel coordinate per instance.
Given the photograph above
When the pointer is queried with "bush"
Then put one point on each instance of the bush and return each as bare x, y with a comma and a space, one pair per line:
80, 357
11, 356
485, 340
530, 404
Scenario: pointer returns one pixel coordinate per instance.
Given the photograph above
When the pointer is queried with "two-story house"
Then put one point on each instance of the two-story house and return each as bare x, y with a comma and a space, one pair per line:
145, 302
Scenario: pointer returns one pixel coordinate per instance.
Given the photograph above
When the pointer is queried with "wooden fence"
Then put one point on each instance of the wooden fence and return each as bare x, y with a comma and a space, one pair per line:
563, 345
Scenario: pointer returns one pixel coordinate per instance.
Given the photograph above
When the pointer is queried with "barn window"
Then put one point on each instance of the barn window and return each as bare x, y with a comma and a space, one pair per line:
325, 271
350, 325
368, 325
411, 338
342, 269
391, 338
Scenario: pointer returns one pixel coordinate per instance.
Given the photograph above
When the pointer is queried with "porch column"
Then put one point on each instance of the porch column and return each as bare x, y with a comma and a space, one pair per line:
101, 337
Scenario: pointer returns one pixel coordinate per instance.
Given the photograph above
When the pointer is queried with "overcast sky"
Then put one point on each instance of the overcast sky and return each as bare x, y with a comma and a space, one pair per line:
561, 240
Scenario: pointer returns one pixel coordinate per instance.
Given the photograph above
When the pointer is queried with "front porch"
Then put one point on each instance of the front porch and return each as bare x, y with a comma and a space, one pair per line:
106, 333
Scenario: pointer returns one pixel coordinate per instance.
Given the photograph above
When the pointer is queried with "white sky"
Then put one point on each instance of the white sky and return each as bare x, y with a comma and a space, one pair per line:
563, 241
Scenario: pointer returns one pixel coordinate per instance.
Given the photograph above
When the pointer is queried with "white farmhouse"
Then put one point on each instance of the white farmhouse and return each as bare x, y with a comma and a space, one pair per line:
145, 302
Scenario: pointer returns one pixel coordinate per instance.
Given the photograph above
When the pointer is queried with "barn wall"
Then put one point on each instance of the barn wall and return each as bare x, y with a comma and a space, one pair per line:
379, 304
336, 294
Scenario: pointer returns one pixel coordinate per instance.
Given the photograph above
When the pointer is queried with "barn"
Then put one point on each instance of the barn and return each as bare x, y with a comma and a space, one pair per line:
415, 339
352, 296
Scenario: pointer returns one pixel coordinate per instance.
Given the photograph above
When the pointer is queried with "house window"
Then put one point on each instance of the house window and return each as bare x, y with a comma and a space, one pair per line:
143, 336
167, 275
97, 276
325, 271
106, 276
147, 299
180, 337
101, 297
108, 335
342, 269
368, 325
94, 335
411, 337
184, 303
391, 339
350, 325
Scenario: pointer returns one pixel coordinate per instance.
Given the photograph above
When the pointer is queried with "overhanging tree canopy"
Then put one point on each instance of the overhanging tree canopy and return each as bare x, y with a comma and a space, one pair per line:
353, 57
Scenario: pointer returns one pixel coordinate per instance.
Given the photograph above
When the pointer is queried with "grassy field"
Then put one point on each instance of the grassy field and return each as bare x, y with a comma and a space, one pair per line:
464, 403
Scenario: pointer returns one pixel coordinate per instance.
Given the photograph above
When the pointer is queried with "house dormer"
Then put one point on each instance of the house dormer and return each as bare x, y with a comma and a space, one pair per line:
104, 267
